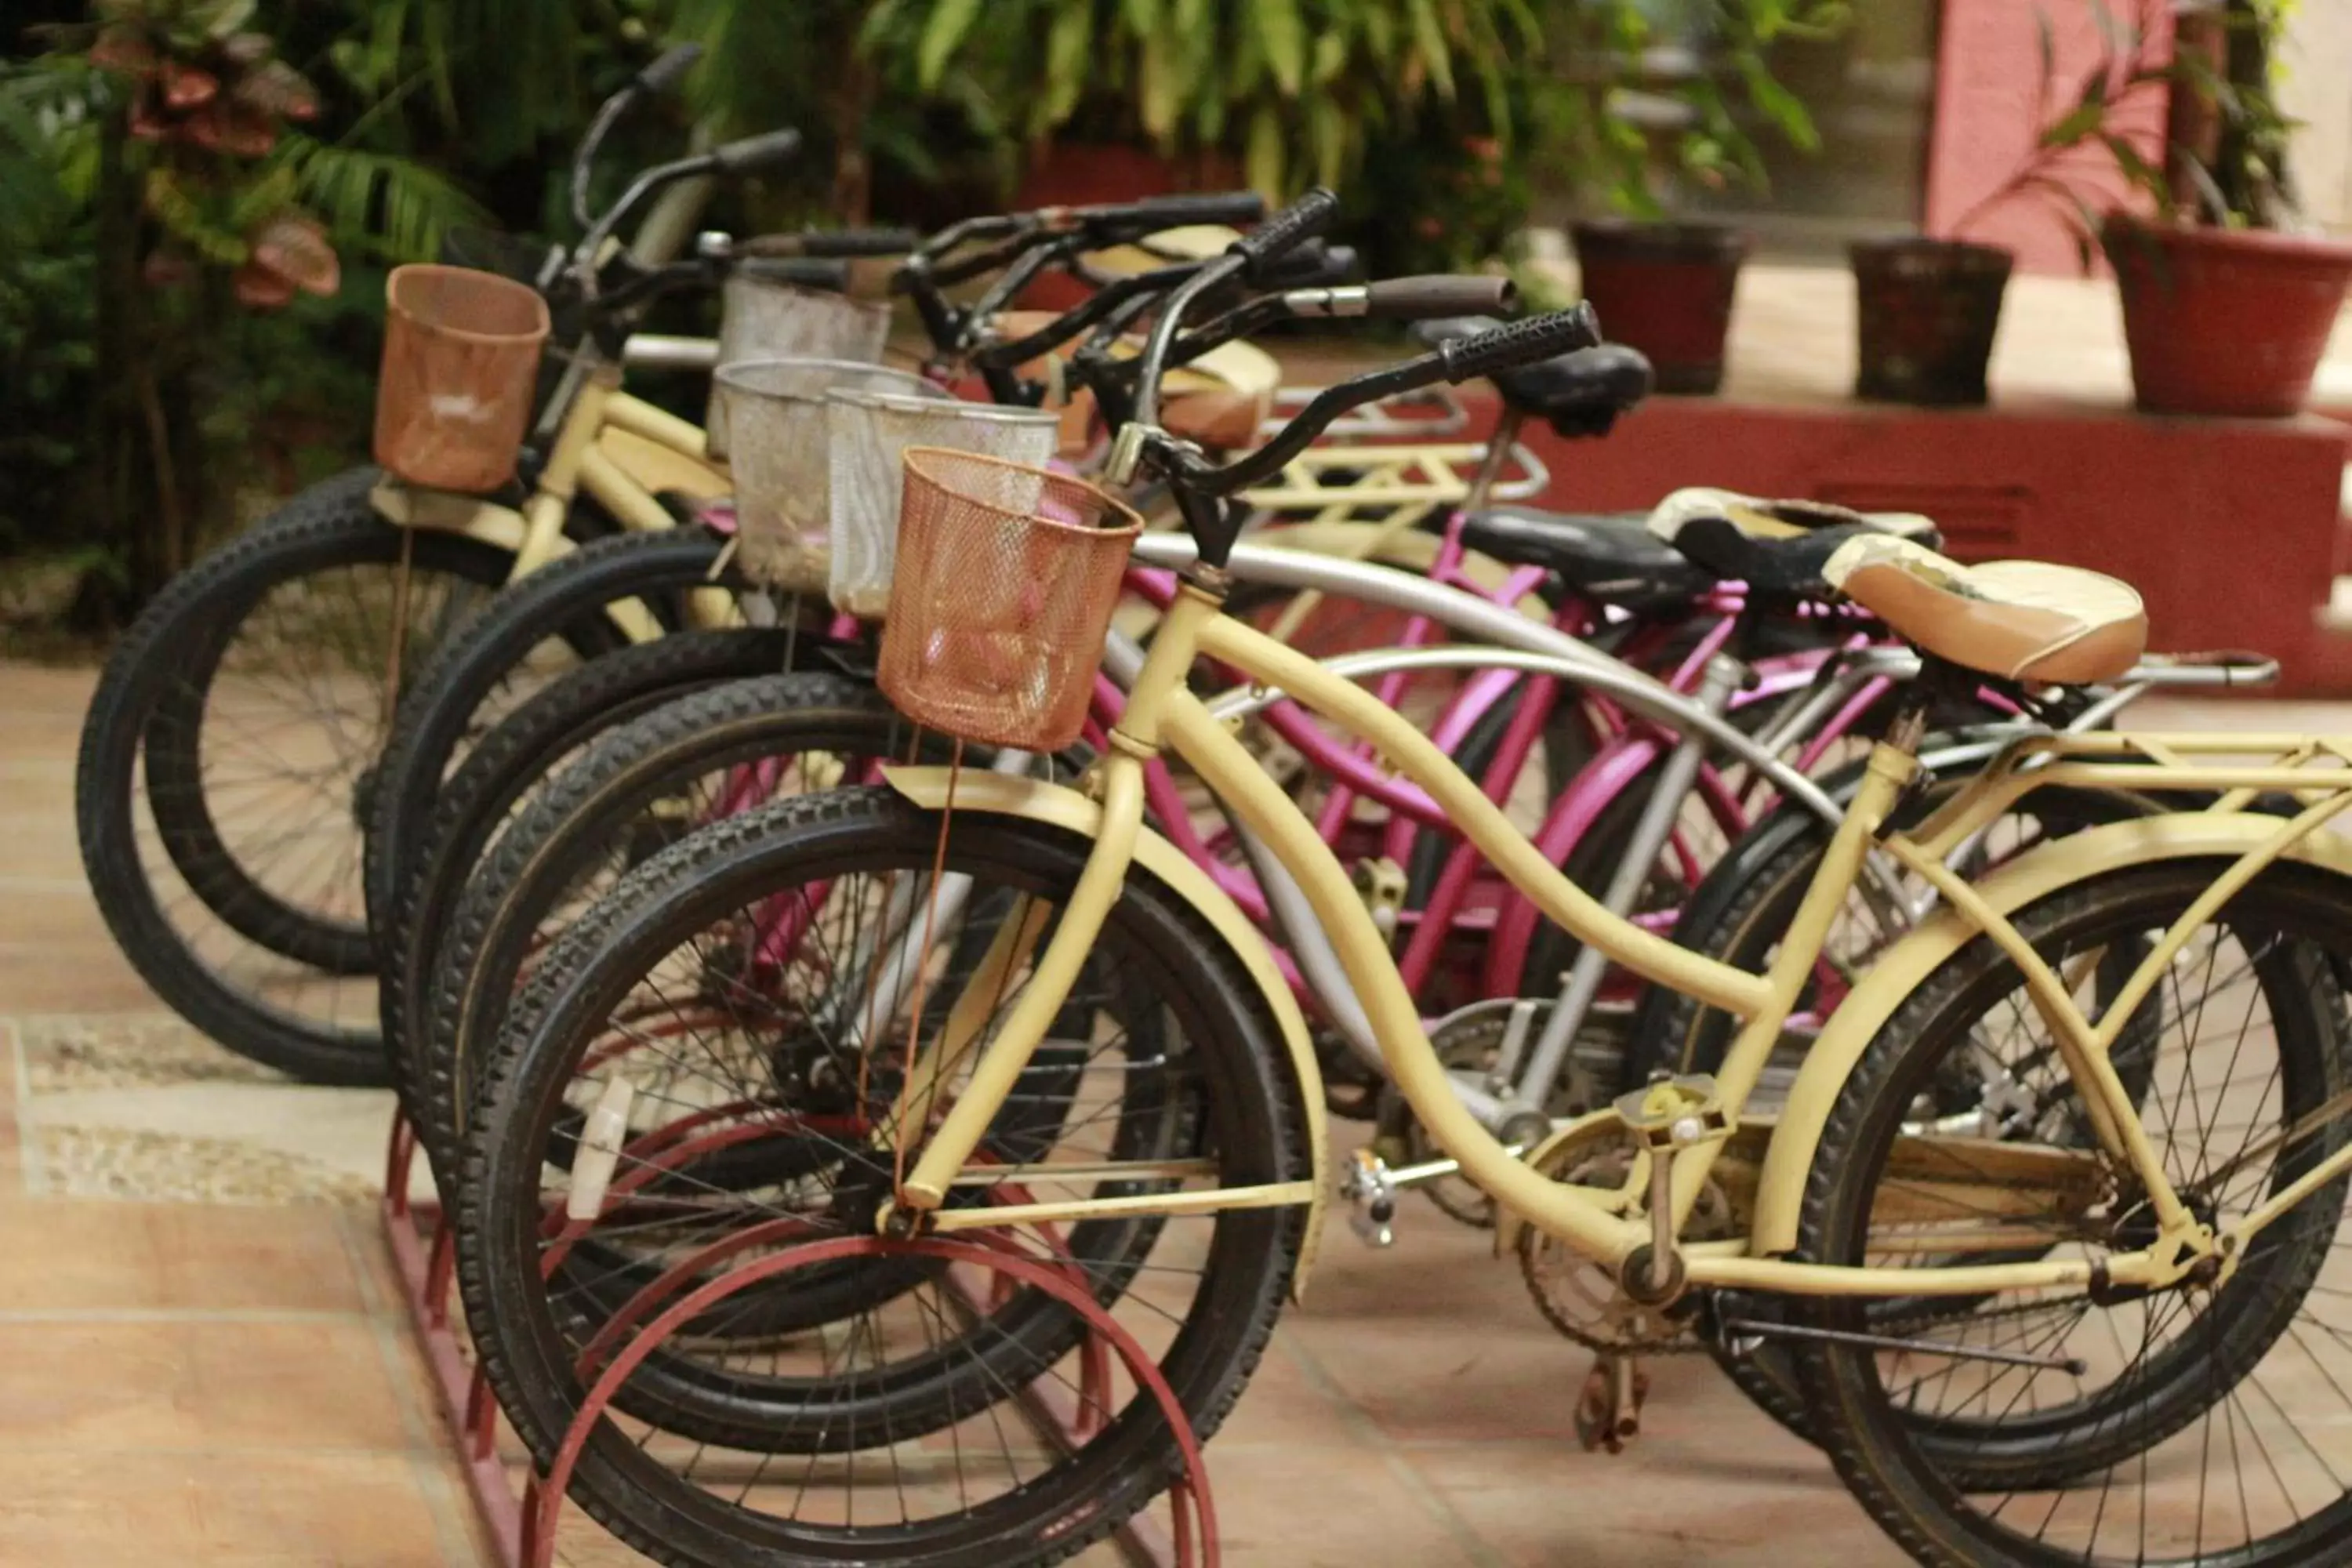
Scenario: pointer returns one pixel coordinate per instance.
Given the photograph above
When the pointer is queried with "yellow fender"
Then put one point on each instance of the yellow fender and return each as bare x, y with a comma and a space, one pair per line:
404, 505
1905, 966
1001, 794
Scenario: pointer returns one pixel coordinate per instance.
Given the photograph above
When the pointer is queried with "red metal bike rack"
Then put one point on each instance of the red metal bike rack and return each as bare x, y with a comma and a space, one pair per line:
522, 1528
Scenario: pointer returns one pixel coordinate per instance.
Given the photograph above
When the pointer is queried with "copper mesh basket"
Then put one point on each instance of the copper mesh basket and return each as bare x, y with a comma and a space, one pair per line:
460, 372
1007, 579
764, 318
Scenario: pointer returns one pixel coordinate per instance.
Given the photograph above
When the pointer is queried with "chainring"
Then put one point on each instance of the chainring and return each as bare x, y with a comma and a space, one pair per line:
1576, 1295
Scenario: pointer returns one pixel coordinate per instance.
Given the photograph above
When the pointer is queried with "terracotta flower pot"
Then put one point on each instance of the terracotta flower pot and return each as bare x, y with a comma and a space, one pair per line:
1664, 289
2225, 321
1928, 310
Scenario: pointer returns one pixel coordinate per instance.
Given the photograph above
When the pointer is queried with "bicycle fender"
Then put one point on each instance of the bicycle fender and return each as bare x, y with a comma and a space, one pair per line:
2038, 873
1034, 800
411, 506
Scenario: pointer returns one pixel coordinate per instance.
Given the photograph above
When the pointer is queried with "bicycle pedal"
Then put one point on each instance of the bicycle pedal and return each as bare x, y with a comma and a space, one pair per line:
1609, 1411
1366, 1182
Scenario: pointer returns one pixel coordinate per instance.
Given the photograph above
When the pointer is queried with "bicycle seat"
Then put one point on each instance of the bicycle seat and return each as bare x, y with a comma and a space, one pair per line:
2032, 621
1612, 559
1776, 547
1582, 394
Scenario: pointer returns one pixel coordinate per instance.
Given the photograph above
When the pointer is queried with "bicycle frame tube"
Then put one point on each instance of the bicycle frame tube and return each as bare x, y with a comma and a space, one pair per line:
1593, 1221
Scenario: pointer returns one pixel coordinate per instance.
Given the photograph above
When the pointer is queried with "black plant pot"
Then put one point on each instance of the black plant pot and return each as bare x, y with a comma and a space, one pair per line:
1666, 288
1929, 308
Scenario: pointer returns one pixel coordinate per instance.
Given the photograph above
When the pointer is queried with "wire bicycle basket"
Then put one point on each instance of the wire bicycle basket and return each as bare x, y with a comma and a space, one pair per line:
459, 375
869, 435
767, 319
1007, 579
776, 409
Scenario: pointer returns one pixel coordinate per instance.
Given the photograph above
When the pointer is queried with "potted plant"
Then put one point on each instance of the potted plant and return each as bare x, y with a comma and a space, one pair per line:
1927, 312
2227, 301
1638, 115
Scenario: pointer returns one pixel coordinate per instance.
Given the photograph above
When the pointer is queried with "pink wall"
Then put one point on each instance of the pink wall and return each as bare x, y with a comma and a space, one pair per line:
1988, 121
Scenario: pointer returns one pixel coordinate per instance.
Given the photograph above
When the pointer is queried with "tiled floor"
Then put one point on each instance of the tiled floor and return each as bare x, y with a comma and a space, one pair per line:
224, 1381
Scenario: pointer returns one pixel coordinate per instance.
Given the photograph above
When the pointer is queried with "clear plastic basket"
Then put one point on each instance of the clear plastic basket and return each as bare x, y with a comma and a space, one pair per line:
776, 409
459, 375
870, 431
761, 317
1007, 579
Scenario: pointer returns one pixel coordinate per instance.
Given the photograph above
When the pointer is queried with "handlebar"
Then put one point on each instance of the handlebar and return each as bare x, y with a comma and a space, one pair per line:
833, 245
669, 69
1177, 211
1439, 294
659, 77
756, 154
1520, 342
1314, 265
1200, 486
1304, 219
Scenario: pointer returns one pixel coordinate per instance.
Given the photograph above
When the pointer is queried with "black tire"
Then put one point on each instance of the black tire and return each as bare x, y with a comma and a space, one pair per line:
565, 602
1250, 1120
519, 753
491, 912
1738, 914
1913, 1469
151, 704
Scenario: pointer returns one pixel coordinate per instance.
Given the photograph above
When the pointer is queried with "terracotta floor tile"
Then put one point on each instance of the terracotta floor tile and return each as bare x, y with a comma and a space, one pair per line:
1437, 1339
1308, 1507
67, 1256
316, 1384
39, 782
1704, 1485
49, 913
81, 976
221, 1510
47, 688
1289, 1405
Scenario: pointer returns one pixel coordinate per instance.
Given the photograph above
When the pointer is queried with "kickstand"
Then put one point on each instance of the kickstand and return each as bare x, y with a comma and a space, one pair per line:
1610, 1410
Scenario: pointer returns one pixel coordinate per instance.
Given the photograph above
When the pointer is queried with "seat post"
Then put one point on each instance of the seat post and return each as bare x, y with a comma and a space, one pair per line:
1917, 705
1499, 453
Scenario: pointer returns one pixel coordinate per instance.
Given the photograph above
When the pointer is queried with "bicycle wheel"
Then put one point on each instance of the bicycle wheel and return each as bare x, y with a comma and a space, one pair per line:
522, 753
1178, 1061
227, 751
1738, 915
536, 632
2201, 1424
680, 765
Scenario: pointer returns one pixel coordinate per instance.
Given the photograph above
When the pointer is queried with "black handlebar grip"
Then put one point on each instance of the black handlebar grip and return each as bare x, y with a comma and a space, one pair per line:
1313, 265
808, 271
668, 71
1522, 342
754, 154
1302, 220
1196, 206
1438, 294
860, 242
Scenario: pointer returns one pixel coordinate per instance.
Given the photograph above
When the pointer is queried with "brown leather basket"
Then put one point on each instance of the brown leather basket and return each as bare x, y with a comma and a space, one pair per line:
1004, 585
460, 370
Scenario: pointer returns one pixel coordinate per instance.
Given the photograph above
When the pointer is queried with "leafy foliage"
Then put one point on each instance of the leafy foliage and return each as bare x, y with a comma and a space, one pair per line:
2224, 62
